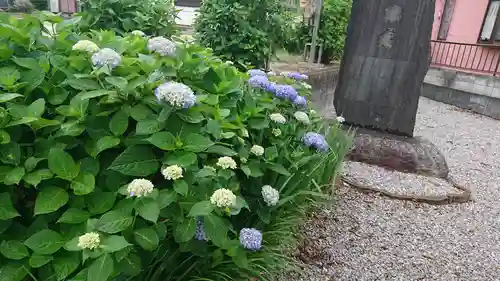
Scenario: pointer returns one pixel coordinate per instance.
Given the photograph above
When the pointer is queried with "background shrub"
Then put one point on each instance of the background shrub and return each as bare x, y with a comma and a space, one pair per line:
245, 32
153, 17
112, 149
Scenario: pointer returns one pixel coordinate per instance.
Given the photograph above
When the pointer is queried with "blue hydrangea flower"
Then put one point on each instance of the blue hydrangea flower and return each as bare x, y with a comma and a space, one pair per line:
251, 239
271, 87
285, 92
298, 76
107, 57
300, 100
315, 140
256, 72
259, 82
200, 230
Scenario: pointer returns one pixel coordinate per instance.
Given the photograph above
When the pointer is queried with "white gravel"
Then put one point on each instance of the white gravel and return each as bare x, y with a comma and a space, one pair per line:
367, 237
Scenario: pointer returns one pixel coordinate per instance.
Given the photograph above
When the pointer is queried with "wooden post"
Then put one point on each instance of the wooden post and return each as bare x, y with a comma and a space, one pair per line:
385, 60
314, 41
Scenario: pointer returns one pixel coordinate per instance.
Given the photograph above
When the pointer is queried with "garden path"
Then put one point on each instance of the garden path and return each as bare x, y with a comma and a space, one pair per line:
368, 237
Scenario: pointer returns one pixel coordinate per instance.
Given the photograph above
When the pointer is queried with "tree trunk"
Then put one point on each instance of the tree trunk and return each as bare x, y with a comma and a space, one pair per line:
386, 57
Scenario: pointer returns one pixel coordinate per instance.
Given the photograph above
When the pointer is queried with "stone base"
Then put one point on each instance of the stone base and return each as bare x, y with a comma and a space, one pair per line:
405, 154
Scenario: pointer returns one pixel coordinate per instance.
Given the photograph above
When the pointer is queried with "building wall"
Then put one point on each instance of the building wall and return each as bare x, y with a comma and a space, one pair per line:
465, 27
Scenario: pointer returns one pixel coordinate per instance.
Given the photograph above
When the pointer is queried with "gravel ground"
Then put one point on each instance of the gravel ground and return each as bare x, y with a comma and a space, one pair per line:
367, 237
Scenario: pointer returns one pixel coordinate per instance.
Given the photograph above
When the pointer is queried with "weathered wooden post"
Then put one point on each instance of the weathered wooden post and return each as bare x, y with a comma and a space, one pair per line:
386, 57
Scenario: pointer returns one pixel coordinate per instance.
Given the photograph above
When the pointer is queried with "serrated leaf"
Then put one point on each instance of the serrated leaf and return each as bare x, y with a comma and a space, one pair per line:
13, 271
113, 243
74, 216
5, 97
118, 82
191, 116
100, 202
181, 158
147, 238
163, 140
185, 231
14, 250
166, 198
114, 221
83, 184
62, 164
149, 210
181, 187
50, 199
101, 269
7, 210
45, 242
106, 142
197, 143
14, 176
38, 176
83, 84
119, 123
65, 264
202, 208
130, 265
221, 150
147, 127
138, 161
215, 229
278, 168
37, 261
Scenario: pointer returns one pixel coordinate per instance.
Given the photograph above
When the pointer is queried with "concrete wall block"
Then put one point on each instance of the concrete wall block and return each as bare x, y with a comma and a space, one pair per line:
482, 90
495, 93
463, 86
465, 77
435, 72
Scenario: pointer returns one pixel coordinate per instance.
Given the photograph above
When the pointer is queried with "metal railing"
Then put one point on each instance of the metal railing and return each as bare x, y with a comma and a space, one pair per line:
477, 58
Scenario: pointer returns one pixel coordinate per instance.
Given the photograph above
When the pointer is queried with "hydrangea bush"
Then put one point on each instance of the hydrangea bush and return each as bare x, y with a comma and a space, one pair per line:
138, 158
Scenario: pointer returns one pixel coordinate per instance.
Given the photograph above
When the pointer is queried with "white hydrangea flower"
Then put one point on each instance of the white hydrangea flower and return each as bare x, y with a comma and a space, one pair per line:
89, 241
107, 57
312, 112
244, 133
223, 198
162, 46
302, 117
173, 172
306, 85
176, 94
140, 187
340, 119
243, 160
138, 33
285, 73
276, 132
270, 195
271, 73
86, 46
257, 150
278, 118
187, 38
226, 162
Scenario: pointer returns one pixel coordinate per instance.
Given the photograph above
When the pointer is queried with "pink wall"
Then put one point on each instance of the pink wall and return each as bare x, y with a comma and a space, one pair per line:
465, 27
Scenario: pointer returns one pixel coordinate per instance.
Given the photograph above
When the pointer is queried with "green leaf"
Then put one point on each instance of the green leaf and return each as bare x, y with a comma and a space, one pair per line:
206, 172
114, 221
37, 261
37, 108
4, 137
181, 158
94, 94
149, 210
202, 208
113, 243
130, 265
191, 116
185, 231
147, 238
101, 269
81, 276
83, 184
72, 245
31, 162
140, 112
215, 229
271, 153
13, 271
138, 161
166, 198
62, 164
119, 123
89, 165
7, 210
278, 168
29, 63
181, 187
258, 123
147, 127
163, 140
14, 250
100, 202
240, 258
83, 84
118, 82
74, 216
38, 176
65, 264
14, 176
45, 242
50, 199
10, 153
197, 143
5, 97
221, 150
4, 225
106, 142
